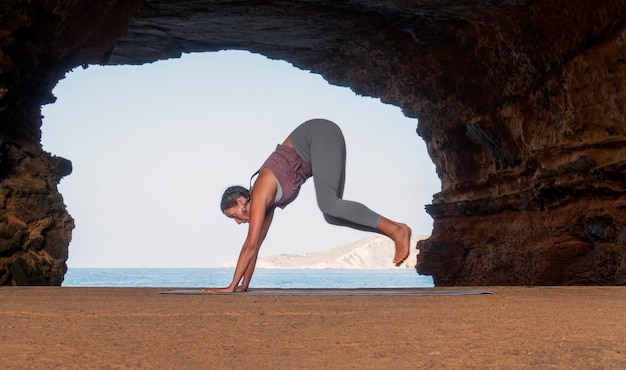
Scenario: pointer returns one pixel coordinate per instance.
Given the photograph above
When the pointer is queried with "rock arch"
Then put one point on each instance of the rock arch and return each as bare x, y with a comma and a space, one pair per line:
521, 104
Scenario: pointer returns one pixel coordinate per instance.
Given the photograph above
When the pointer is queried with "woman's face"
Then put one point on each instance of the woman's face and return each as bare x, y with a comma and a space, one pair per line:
239, 212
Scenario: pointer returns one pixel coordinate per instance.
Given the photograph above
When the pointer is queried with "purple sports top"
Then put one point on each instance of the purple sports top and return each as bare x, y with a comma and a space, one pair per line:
290, 170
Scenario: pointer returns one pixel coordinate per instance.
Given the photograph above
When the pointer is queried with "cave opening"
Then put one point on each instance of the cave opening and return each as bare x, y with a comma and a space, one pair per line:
153, 147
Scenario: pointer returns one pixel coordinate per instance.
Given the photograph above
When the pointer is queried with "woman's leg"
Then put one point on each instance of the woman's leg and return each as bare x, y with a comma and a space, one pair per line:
327, 151
328, 162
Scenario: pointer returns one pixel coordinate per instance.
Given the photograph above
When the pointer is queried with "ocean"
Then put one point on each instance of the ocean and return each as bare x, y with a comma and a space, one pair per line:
263, 278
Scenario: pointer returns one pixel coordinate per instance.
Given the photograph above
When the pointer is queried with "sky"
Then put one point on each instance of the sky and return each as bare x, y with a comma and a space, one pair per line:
154, 146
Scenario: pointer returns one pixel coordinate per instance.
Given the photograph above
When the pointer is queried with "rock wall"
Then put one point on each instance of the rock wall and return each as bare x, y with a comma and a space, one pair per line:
540, 198
39, 42
520, 103
35, 228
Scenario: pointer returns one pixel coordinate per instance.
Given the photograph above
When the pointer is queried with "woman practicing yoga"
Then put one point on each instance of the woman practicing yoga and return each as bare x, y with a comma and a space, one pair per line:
315, 148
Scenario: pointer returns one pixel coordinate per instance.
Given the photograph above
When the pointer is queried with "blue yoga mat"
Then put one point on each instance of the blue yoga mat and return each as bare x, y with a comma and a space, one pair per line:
364, 291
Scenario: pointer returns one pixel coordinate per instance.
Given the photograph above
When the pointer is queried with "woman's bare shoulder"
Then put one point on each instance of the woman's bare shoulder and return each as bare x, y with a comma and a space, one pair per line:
265, 187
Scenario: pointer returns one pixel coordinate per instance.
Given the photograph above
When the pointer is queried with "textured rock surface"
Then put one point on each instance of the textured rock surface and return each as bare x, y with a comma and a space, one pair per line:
521, 104
39, 42
35, 229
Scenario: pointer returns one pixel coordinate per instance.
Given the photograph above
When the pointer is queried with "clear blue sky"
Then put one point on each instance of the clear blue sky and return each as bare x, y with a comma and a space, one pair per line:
154, 146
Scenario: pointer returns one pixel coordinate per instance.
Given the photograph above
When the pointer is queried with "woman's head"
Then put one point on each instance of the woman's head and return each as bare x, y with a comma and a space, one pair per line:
234, 203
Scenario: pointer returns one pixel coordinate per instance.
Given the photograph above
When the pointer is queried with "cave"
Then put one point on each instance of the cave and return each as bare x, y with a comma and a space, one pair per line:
520, 103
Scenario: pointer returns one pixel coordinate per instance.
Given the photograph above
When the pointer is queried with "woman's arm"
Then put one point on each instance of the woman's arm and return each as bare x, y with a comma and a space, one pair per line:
260, 217
247, 276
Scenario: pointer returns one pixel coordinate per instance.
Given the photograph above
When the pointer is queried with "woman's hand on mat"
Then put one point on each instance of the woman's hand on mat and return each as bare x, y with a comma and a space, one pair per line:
238, 289
220, 290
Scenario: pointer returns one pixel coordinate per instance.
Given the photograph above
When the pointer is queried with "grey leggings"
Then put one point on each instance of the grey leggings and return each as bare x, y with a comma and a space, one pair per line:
321, 143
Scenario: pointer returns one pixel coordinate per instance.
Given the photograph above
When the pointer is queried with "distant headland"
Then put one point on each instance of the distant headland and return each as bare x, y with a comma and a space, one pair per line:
372, 253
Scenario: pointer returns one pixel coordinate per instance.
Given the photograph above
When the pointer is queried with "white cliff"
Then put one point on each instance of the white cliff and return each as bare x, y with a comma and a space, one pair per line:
375, 252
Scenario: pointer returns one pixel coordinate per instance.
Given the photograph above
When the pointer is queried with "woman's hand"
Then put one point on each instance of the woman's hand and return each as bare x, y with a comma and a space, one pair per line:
219, 290
238, 289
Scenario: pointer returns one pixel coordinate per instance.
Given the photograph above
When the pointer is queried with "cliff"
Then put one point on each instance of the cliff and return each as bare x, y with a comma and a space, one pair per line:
521, 104
372, 253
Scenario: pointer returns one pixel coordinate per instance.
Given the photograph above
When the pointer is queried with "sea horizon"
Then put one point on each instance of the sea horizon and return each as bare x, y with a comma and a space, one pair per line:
193, 277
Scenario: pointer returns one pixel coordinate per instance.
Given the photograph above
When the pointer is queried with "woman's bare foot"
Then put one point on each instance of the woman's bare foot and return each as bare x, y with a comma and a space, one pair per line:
401, 236
403, 247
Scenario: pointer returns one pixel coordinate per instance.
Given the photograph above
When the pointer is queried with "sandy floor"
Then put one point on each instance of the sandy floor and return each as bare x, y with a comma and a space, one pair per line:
128, 328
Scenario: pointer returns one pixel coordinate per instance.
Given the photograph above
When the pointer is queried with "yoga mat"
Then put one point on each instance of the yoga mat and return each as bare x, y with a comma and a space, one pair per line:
361, 291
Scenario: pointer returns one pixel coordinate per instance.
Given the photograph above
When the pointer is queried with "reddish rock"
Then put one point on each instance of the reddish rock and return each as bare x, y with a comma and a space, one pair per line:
521, 104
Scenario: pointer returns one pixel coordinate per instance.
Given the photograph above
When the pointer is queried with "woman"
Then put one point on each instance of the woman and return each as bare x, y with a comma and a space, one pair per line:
315, 148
